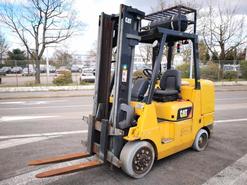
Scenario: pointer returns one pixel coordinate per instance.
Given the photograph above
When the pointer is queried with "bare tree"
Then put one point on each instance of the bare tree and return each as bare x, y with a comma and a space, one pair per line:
3, 46
162, 4
91, 55
40, 24
223, 30
62, 58
145, 51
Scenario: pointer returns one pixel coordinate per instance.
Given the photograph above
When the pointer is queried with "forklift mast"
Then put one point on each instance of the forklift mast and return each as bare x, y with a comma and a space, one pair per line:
121, 31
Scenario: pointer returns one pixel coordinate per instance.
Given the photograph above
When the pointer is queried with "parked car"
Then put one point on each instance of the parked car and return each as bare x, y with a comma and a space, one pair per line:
42, 69
5, 70
88, 70
232, 67
87, 77
75, 69
16, 70
52, 69
28, 72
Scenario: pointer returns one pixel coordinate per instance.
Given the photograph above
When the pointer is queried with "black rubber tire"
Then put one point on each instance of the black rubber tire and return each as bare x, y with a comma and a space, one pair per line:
201, 140
137, 158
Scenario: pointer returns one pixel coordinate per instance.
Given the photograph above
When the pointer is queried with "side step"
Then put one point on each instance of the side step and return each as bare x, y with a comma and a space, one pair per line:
70, 169
61, 158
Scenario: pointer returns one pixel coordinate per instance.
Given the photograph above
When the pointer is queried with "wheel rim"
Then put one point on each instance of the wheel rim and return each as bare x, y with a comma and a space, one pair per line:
142, 160
202, 140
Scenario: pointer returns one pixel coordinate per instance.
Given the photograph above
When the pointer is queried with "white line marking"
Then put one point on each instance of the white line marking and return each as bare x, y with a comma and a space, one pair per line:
242, 179
36, 102
43, 134
235, 174
20, 118
232, 106
230, 120
45, 107
24, 102
12, 102
222, 99
32, 101
16, 142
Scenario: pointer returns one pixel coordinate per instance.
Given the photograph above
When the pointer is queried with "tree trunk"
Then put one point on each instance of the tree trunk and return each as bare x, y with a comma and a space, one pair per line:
1, 58
37, 74
222, 52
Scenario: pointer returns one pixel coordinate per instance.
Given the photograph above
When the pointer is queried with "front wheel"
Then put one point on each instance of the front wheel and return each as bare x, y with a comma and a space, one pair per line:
201, 140
137, 158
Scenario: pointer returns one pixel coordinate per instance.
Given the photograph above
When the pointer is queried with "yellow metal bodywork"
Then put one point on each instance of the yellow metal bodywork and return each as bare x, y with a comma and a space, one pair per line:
171, 109
159, 124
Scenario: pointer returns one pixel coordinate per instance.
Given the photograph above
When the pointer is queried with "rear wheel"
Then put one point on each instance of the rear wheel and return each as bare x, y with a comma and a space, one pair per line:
201, 140
137, 158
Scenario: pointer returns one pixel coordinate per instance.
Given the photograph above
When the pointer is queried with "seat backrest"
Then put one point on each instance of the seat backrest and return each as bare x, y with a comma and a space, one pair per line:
171, 79
139, 89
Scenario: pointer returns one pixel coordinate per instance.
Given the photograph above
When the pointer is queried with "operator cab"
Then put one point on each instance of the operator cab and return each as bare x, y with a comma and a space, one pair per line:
166, 29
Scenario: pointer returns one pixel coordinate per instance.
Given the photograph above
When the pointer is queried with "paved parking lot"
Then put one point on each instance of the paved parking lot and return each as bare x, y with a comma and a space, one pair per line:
35, 128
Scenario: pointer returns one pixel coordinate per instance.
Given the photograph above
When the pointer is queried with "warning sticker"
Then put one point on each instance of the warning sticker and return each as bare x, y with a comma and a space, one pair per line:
124, 73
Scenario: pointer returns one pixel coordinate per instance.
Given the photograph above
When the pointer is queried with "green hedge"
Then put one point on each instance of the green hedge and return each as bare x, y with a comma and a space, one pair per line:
210, 72
64, 78
184, 69
230, 75
243, 69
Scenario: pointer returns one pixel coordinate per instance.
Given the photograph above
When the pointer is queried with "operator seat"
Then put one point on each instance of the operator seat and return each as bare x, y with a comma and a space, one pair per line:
170, 83
139, 89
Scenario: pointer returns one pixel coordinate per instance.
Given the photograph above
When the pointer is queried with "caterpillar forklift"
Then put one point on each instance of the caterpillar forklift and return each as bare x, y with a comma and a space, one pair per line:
137, 121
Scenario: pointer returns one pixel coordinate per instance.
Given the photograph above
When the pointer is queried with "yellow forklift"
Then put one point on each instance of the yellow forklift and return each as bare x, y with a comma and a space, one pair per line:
135, 122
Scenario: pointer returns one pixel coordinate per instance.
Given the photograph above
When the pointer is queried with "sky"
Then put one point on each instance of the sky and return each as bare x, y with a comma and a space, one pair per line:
89, 10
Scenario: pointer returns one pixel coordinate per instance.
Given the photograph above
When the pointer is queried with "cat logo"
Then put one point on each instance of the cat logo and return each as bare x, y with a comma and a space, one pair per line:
184, 113
128, 20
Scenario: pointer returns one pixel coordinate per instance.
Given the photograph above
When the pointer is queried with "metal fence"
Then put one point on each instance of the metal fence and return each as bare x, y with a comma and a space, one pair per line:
25, 76
22, 72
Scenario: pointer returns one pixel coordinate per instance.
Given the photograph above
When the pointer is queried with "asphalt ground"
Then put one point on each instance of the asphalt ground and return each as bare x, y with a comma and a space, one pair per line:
37, 128
86, 92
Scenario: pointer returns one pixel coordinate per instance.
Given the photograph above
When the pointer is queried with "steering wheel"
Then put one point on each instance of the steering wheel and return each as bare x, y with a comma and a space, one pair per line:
147, 72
